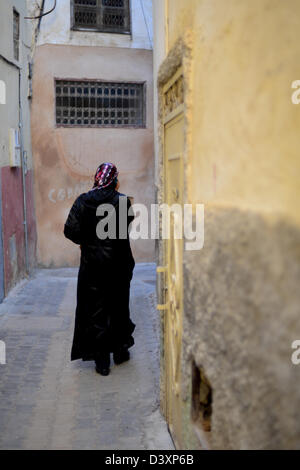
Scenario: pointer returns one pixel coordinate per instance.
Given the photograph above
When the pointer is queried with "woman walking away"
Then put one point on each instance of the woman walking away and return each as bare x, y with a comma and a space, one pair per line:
102, 319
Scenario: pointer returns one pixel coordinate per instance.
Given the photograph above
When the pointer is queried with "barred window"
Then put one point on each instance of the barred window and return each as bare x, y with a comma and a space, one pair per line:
109, 16
99, 104
16, 33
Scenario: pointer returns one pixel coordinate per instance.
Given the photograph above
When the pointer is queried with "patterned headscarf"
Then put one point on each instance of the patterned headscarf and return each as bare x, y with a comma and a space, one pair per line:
106, 173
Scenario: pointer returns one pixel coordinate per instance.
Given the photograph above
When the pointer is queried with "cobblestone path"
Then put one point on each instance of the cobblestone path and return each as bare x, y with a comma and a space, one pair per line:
49, 402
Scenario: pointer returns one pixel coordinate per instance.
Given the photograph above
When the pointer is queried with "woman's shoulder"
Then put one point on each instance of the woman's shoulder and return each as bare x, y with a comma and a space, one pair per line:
127, 198
93, 197
80, 199
89, 196
121, 194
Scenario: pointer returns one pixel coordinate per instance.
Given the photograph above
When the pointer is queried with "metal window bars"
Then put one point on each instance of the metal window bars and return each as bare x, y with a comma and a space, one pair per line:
110, 16
99, 104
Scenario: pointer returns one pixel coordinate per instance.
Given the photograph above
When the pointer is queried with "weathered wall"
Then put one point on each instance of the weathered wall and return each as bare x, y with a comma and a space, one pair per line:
243, 71
66, 158
13, 224
241, 307
11, 191
241, 317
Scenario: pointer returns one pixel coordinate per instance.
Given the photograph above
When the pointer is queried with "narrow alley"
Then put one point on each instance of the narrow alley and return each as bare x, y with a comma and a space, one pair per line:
190, 109
49, 402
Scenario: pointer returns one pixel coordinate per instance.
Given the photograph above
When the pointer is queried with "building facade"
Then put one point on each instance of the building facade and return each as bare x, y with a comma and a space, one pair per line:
228, 138
93, 102
18, 230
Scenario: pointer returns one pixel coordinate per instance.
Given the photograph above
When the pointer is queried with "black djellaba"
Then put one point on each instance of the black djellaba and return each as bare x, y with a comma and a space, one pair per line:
102, 318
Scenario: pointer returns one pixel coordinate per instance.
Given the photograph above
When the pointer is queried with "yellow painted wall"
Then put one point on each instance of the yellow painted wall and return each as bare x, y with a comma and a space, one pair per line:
241, 296
246, 131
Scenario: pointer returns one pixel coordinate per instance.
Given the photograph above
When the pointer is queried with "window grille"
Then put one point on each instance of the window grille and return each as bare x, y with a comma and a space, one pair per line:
99, 104
16, 33
109, 16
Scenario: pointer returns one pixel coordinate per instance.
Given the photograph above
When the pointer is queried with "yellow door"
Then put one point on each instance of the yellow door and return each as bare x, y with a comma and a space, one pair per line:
173, 183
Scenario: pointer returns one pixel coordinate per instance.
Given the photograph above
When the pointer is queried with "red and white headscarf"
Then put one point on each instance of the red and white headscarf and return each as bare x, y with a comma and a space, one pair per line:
106, 173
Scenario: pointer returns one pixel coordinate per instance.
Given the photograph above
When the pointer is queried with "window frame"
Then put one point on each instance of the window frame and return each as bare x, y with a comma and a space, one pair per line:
98, 28
17, 38
107, 126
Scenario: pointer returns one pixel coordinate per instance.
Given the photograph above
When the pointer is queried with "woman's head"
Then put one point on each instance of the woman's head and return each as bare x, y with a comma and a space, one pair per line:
106, 176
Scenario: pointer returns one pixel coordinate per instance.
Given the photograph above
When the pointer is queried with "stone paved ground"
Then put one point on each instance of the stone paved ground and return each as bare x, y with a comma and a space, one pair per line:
49, 402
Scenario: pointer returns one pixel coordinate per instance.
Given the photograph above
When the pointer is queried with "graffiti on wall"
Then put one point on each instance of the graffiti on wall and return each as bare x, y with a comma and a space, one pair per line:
56, 195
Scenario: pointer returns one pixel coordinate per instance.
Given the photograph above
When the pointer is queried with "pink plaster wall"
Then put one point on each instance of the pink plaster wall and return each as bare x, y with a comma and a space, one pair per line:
65, 159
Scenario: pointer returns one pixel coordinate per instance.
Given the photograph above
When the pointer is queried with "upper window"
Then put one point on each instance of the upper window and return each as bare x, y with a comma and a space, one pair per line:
108, 16
16, 34
99, 104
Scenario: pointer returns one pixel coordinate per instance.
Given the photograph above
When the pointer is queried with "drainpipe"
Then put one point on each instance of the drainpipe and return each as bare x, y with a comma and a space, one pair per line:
24, 171
41, 15
23, 160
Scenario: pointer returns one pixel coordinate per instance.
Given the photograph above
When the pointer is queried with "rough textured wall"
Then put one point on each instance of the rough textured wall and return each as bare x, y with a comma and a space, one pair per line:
241, 296
66, 158
246, 129
241, 316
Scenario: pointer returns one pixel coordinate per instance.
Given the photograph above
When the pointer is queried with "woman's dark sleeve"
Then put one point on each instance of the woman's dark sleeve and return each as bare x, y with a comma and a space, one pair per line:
72, 229
129, 211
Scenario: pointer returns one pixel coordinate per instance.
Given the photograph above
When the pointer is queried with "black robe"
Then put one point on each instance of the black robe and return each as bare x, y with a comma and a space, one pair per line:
102, 318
